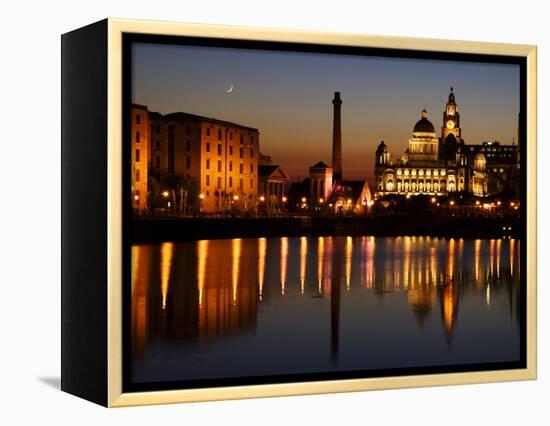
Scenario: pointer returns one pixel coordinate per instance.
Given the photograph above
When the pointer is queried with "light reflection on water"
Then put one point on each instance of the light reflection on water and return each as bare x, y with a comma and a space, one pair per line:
245, 307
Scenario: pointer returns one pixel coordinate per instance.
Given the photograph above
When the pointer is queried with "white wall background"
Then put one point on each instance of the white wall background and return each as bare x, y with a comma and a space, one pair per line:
30, 211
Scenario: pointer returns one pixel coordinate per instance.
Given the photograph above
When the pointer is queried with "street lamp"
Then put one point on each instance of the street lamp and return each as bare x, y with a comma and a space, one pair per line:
284, 199
303, 199
136, 197
262, 198
236, 198
201, 196
321, 201
452, 203
165, 194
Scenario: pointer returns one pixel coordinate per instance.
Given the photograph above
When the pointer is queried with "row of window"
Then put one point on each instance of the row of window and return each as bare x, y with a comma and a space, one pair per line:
421, 172
229, 182
230, 166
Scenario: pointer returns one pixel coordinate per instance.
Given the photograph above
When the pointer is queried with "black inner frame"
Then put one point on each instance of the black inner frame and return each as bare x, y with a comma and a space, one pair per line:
129, 38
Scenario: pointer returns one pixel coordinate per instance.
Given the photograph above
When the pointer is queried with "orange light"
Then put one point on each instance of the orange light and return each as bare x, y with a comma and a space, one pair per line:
433, 200
262, 198
165, 194
452, 203
136, 197
303, 199
321, 201
201, 196
236, 197
284, 199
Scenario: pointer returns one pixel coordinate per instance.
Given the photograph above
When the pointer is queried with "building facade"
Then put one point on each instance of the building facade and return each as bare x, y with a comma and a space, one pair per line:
199, 161
444, 164
139, 156
271, 186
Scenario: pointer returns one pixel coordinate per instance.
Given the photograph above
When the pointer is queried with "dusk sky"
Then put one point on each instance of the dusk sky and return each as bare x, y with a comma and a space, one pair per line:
287, 96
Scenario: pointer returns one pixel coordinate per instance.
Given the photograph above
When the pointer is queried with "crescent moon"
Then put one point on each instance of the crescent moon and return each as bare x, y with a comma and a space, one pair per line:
231, 87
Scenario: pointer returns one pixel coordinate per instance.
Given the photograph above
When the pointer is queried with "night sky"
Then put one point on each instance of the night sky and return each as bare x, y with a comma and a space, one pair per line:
287, 96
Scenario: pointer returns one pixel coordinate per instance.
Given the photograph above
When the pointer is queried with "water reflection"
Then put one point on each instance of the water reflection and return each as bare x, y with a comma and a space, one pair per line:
208, 293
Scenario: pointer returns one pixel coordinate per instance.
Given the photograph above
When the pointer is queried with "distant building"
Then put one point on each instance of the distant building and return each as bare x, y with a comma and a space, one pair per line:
271, 185
443, 165
320, 183
198, 160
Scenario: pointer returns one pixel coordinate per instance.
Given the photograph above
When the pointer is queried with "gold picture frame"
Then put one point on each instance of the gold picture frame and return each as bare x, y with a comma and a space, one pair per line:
115, 29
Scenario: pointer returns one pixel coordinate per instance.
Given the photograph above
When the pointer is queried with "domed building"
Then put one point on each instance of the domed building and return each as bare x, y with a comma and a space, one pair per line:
442, 165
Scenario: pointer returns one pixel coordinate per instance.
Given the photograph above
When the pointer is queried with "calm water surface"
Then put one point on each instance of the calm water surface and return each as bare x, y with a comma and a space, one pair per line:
262, 306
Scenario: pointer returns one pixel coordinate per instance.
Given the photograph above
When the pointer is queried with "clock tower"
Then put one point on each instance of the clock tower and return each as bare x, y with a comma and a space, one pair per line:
451, 121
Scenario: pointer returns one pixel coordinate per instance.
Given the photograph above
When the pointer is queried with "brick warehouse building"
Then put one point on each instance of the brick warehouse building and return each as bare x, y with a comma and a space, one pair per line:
182, 160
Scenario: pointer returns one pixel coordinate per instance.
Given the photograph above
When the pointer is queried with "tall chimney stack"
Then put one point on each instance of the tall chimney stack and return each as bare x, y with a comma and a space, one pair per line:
337, 138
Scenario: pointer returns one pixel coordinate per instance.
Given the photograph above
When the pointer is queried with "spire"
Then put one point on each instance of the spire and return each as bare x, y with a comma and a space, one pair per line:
451, 96
424, 113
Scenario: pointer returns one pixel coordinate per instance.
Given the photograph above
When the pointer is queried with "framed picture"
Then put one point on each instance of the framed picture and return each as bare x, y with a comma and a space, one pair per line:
250, 212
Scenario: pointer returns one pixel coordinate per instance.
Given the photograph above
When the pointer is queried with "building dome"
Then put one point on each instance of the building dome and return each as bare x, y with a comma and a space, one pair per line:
424, 125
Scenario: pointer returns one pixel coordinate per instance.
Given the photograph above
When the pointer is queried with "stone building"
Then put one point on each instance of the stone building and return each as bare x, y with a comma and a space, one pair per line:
443, 165
271, 185
199, 160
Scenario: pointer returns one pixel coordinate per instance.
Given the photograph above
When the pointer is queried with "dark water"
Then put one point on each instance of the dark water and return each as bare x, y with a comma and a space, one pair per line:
248, 307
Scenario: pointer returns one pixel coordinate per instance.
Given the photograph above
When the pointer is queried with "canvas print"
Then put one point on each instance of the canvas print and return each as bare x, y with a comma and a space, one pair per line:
309, 215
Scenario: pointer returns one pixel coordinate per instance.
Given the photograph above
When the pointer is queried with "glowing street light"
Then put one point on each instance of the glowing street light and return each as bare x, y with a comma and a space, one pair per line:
262, 198
321, 201
434, 200
285, 199
201, 196
452, 203
136, 197
236, 198
303, 199
165, 194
